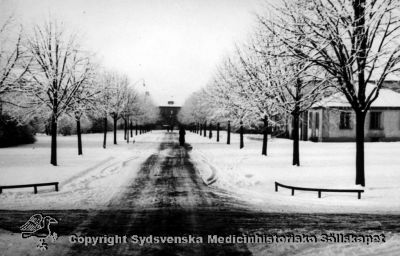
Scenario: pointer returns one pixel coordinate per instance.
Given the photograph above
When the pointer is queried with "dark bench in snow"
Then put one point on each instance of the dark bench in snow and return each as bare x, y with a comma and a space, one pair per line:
35, 185
320, 190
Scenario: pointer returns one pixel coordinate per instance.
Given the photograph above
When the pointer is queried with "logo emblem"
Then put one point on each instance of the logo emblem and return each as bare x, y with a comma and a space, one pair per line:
39, 226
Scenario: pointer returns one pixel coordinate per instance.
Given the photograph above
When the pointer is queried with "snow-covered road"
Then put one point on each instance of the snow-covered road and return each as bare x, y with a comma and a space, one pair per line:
167, 197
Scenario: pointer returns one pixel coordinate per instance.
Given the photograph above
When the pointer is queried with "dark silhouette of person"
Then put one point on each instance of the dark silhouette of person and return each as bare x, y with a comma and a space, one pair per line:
182, 136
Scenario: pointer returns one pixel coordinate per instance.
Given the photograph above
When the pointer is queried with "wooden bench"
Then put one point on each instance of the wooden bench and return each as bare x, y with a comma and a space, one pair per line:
320, 190
35, 185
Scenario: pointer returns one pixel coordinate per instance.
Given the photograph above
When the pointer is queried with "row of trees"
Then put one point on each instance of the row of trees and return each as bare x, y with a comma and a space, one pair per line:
47, 74
299, 53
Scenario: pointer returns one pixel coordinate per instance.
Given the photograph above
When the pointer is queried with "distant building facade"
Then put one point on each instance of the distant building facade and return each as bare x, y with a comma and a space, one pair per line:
168, 114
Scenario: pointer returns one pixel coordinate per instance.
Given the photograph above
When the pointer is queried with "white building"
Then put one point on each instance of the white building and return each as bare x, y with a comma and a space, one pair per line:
332, 119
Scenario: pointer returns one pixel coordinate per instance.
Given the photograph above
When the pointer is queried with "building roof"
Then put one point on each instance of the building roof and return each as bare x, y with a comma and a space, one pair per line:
393, 85
386, 98
169, 106
170, 103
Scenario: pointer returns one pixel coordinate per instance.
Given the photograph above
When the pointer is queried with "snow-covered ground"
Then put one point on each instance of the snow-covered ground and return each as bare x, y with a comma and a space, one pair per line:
91, 180
251, 176
87, 181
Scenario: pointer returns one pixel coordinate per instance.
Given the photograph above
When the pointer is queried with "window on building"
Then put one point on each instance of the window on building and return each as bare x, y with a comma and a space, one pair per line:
345, 120
375, 122
317, 120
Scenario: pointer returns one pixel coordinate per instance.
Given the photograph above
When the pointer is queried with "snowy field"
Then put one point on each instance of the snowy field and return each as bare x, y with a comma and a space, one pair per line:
87, 181
251, 176
90, 181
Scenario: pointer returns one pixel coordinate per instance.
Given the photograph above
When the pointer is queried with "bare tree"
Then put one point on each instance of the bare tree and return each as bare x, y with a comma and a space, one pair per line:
296, 90
195, 109
257, 84
11, 54
231, 96
103, 102
118, 84
144, 111
50, 78
128, 110
152, 110
355, 41
84, 101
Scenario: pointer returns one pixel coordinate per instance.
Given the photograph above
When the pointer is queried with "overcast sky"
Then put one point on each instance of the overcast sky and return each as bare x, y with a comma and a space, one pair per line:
174, 45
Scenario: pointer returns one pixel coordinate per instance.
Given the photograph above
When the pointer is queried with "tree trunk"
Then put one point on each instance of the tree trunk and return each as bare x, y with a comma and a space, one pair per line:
361, 42
115, 129
360, 174
205, 129
201, 130
228, 137
131, 128
210, 131
47, 129
53, 155
125, 129
79, 134
241, 135
136, 129
304, 129
217, 132
295, 137
265, 137
105, 132
287, 133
